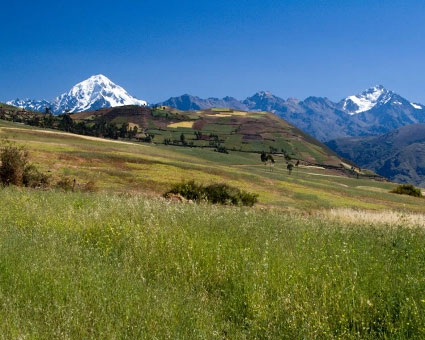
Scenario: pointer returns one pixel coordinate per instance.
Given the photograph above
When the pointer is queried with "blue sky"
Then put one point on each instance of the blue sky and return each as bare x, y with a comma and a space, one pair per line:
158, 49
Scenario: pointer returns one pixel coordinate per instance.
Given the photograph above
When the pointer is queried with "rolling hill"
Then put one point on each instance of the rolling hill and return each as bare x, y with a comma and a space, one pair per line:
398, 155
220, 129
130, 167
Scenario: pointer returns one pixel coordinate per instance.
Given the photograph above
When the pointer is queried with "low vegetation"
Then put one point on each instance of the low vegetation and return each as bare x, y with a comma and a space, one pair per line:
15, 168
310, 263
407, 189
218, 193
111, 266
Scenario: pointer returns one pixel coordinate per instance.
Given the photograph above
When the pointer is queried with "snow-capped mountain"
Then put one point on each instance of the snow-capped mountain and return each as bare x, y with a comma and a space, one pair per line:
30, 104
93, 93
374, 111
366, 100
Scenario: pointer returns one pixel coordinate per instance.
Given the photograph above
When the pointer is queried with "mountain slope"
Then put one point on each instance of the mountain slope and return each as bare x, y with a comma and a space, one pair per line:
93, 93
188, 102
235, 130
366, 100
372, 112
398, 155
31, 104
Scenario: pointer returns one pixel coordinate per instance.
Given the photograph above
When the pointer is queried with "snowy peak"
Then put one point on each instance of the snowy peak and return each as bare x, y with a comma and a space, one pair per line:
366, 100
30, 104
94, 93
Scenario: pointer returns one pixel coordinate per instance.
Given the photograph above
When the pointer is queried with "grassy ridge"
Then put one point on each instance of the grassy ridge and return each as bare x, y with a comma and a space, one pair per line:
98, 266
153, 169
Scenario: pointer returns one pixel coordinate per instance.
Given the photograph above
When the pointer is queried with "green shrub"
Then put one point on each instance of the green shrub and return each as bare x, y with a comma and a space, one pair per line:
218, 193
407, 189
16, 170
66, 184
14, 160
189, 190
33, 178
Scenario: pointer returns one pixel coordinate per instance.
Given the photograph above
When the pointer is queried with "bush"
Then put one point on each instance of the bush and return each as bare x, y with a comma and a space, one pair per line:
16, 170
14, 160
90, 186
33, 178
66, 184
407, 189
221, 149
218, 193
189, 190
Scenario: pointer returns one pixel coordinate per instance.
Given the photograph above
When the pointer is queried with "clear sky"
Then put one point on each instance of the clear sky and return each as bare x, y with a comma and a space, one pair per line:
157, 49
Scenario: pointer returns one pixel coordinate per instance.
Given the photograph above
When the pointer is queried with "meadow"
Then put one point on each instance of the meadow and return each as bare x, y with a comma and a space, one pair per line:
321, 256
119, 266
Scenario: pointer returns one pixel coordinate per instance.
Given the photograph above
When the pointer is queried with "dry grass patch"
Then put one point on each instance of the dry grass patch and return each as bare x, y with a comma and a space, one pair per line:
386, 217
181, 125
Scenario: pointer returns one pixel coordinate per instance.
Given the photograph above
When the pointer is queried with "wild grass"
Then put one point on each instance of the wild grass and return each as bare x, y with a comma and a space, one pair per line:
388, 218
111, 266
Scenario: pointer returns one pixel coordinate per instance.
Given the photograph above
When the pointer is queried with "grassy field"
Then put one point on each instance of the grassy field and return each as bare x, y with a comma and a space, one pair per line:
151, 169
118, 266
322, 256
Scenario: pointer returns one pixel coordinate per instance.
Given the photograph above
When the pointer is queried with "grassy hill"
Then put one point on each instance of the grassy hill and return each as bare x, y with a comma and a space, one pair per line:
320, 256
123, 166
232, 129
224, 130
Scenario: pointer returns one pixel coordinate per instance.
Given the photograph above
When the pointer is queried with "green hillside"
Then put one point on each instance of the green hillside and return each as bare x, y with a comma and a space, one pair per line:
224, 130
232, 130
125, 166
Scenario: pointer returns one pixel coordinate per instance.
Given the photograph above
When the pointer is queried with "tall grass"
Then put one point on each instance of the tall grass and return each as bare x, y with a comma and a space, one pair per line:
90, 266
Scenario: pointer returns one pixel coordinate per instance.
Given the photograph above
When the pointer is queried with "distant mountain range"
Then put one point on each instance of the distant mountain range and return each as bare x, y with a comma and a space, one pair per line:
398, 155
93, 93
372, 112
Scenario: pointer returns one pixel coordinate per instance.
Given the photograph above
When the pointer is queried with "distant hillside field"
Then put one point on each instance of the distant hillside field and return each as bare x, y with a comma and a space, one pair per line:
232, 129
124, 166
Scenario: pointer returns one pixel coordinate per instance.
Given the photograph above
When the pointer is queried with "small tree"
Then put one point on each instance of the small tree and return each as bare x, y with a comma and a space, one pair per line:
290, 166
267, 159
270, 161
183, 139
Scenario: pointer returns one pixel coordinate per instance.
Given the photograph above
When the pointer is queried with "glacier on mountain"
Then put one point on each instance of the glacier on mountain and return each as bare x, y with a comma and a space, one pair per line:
366, 100
93, 93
